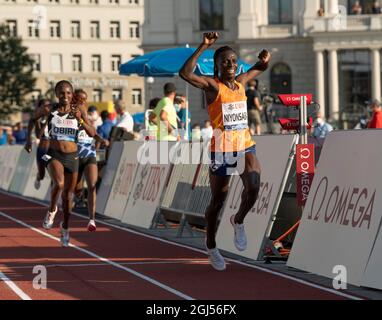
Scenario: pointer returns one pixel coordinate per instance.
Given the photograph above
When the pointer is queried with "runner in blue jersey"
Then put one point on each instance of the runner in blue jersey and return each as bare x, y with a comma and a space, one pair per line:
88, 168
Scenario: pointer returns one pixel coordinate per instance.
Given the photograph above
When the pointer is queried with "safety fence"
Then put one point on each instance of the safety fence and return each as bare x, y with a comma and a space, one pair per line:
341, 221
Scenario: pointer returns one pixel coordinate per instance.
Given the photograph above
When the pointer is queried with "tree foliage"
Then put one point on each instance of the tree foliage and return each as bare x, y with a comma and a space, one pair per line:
16, 74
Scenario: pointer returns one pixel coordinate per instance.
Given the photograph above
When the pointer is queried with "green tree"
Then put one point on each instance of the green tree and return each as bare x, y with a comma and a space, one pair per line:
16, 74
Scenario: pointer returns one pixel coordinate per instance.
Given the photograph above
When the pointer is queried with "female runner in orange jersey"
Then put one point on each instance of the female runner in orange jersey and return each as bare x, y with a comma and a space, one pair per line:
232, 146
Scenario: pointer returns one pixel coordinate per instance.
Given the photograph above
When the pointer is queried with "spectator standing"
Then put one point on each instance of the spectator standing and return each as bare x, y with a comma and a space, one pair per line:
321, 12
254, 107
3, 137
207, 132
94, 117
180, 104
20, 134
356, 8
321, 127
105, 128
164, 115
376, 120
125, 120
376, 8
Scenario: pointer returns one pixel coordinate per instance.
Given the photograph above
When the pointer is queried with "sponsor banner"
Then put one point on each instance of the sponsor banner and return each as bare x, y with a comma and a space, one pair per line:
108, 177
149, 185
294, 100
372, 277
273, 153
15, 169
123, 181
344, 208
305, 171
30, 190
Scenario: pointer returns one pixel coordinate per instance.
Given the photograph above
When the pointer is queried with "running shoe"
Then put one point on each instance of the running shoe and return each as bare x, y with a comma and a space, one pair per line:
49, 219
240, 239
216, 259
92, 226
64, 236
37, 183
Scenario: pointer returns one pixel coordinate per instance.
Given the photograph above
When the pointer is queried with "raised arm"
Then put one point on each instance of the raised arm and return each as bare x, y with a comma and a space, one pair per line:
257, 69
187, 71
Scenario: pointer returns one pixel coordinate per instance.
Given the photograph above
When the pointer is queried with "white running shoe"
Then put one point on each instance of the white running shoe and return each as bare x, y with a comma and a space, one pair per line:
216, 259
64, 236
92, 226
240, 239
37, 184
49, 219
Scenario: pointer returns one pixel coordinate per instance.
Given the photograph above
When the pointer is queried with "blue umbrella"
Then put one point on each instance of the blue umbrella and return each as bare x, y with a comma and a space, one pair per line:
167, 63
139, 117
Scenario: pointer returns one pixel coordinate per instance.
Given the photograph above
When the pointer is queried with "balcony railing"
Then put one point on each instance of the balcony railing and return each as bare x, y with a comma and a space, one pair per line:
348, 23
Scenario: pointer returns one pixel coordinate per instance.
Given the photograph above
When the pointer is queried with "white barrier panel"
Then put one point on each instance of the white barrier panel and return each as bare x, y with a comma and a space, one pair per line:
108, 178
9, 158
273, 153
22, 171
372, 277
123, 181
148, 188
30, 190
344, 208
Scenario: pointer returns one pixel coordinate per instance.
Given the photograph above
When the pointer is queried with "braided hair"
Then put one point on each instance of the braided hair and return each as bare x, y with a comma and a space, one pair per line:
217, 54
62, 82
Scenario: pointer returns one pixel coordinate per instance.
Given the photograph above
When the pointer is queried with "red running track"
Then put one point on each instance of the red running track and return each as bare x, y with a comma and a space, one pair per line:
121, 264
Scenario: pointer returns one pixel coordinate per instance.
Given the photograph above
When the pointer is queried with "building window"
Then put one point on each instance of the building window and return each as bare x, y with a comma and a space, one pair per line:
75, 29
115, 30
56, 63
32, 0
114, 1
280, 11
55, 1
37, 62
211, 14
33, 31
115, 62
77, 63
93, 1
133, 1
94, 29
136, 95
354, 85
12, 27
55, 29
281, 79
96, 63
134, 30
97, 95
117, 94
366, 6
75, 1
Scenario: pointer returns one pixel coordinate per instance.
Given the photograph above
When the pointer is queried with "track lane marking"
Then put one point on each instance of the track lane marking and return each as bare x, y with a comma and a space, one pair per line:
107, 261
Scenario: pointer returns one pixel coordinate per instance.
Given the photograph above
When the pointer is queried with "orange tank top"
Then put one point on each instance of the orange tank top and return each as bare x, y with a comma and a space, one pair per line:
229, 119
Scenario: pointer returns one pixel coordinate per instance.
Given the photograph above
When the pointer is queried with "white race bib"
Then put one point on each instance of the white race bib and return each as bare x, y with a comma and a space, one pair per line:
235, 115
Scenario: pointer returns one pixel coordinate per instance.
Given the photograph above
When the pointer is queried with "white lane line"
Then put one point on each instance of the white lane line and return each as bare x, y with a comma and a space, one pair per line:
307, 283
105, 264
114, 264
14, 287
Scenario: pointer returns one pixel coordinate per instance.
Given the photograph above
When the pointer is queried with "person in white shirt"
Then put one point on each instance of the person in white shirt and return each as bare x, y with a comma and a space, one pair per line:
125, 120
207, 132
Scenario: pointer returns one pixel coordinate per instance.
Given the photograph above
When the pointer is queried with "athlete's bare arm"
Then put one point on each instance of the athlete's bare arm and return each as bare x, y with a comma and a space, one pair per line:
187, 71
257, 69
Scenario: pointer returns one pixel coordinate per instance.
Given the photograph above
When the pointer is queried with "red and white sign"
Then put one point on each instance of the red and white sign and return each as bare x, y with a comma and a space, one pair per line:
294, 100
293, 124
305, 171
